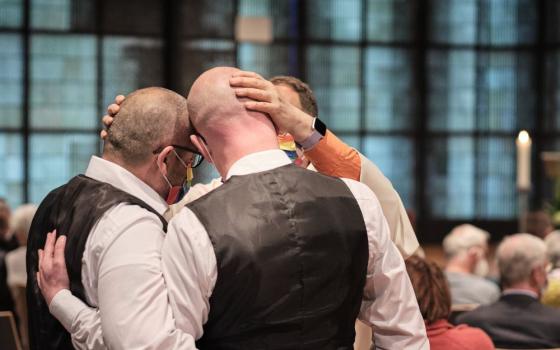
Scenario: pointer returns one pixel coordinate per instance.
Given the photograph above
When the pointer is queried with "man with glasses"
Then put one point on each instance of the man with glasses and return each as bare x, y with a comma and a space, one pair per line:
296, 122
177, 192
112, 219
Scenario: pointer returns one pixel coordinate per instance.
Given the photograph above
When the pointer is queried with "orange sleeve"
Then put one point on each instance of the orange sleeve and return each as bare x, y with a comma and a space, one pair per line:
333, 157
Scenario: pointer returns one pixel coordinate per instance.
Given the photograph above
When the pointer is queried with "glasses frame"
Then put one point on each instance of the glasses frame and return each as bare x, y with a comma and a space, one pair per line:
197, 159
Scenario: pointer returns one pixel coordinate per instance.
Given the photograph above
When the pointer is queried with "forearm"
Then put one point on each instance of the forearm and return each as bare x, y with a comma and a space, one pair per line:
81, 321
333, 157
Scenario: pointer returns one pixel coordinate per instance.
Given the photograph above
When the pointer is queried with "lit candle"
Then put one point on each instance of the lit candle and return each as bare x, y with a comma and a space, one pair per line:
523, 143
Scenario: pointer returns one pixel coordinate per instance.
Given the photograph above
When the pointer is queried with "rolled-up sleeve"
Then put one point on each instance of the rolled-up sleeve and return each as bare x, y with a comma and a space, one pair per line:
331, 156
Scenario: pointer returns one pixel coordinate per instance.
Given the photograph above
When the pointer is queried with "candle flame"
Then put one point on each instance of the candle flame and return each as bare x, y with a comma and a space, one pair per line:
523, 136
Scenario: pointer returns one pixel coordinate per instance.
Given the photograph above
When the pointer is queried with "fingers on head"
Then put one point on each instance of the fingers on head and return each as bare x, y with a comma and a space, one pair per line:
113, 109
247, 74
248, 82
107, 120
258, 106
119, 99
255, 94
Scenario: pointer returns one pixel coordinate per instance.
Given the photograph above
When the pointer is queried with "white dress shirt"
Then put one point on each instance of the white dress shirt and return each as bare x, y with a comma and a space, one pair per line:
189, 265
122, 276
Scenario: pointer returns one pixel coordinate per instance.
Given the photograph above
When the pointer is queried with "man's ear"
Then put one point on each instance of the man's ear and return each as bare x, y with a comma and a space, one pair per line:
162, 159
200, 145
473, 253
538, 275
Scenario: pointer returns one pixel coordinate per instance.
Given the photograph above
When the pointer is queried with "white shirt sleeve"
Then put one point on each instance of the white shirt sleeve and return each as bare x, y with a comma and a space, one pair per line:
401, 231
131, 294
389, 304
189, 267
81, 321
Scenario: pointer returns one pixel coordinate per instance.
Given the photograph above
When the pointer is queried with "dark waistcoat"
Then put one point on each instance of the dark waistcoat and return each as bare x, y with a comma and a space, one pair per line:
73, 209
292, 253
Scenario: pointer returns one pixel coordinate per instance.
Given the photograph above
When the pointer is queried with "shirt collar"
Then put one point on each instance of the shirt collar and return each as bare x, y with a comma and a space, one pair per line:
520, 292
259, 161
105, 171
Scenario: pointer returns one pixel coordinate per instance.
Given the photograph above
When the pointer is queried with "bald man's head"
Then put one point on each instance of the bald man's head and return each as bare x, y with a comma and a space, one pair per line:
212, 101
148, 119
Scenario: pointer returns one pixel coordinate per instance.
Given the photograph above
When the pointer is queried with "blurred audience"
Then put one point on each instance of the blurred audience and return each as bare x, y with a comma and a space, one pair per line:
434, 299
15, 265
551, 296
15, 260
7, 243
518, 320
466, 248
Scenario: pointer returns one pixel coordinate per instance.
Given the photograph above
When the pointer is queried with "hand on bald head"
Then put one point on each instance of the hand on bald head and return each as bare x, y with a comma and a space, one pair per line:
212, 103
148, 119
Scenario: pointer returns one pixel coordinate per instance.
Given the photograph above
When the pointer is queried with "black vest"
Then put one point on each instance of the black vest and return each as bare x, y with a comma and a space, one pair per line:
73, 209
292, 253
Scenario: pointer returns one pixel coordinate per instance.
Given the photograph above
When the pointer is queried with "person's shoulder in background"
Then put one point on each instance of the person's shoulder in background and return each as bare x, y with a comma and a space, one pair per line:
551, 296
444, 336
472, 289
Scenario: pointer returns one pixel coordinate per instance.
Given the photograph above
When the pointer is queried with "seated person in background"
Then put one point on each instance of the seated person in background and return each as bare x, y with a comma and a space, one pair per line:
15, 260
15, 265
465, 248
518, 320
539, 223
551, 296
433, 296
7, 243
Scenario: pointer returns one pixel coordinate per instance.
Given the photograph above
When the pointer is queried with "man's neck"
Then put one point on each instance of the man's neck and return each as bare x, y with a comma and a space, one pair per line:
458, 268
143, 173
227, 160
228, 149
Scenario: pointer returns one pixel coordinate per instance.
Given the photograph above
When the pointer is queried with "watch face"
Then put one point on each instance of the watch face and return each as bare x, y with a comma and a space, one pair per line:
320, 126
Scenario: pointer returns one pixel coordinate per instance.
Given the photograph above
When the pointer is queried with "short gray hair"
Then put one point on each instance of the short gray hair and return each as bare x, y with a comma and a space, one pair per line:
517, 256
22, 218
552, 242
462, 238
149, 118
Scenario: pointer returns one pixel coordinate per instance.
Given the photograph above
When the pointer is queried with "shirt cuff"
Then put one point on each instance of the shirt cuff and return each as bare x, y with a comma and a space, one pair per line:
65, 307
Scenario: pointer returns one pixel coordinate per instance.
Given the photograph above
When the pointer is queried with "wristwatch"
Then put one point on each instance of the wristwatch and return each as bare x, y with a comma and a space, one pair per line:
319, 131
